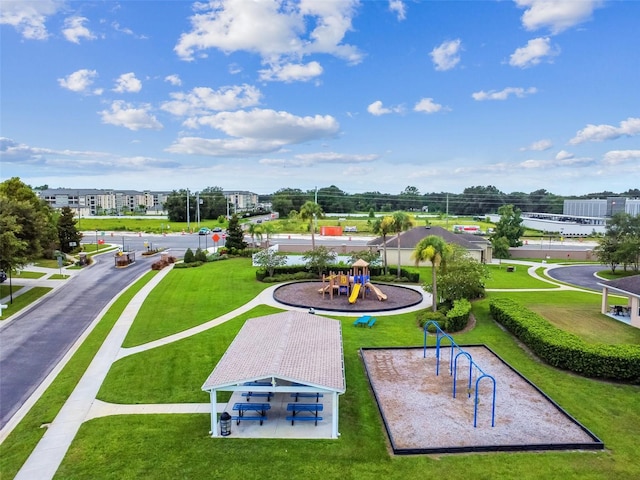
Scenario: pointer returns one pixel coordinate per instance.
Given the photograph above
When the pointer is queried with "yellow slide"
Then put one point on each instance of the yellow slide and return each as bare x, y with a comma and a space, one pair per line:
354, 293
381, 296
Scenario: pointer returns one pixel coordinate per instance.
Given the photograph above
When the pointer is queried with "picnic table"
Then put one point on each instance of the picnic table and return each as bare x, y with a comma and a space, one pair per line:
365, 321
316, 395
242, 408
297, 408
257, 394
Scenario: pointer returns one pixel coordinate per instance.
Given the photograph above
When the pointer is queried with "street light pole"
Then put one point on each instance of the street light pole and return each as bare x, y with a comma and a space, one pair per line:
97, 244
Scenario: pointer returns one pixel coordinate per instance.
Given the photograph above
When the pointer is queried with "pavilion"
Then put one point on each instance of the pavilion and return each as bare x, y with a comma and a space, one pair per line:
291, 352
628, 287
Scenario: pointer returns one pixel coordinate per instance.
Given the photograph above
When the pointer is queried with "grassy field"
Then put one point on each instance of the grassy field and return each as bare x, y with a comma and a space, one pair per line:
23, 300
178, 446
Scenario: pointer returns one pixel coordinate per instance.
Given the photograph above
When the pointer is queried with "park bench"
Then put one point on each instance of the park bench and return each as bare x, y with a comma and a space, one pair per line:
266, 395
371, 322
260, 408
362, 320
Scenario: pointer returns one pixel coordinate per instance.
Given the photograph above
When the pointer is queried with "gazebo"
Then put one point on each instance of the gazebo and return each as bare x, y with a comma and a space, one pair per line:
285, 353
630, 288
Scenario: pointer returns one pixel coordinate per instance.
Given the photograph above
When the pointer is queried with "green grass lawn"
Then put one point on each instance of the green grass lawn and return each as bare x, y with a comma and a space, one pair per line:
23, 300
28, 274
178, 446
518, 278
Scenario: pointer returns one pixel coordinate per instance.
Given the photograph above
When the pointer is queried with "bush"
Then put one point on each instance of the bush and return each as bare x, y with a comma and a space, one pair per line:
564, 350
188, 265
458, 316
189, 257
200, 255
159, 265
424, 316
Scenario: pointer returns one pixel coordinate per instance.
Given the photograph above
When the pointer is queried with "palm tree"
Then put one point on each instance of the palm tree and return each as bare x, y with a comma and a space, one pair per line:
401, 223
268, 229
308, 213
384, 226
255, 230
433, 249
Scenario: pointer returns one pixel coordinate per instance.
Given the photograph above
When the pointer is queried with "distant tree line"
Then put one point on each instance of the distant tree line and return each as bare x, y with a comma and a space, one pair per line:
476, 200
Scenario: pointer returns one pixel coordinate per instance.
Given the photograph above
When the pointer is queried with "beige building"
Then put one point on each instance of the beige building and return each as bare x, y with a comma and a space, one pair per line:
88, 202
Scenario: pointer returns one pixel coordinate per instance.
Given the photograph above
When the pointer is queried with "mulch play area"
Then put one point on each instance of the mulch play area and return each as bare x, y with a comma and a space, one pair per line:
421, 415
305, 294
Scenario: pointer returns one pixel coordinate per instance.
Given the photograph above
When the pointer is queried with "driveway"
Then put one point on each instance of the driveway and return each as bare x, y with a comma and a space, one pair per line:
39, 337
579, 275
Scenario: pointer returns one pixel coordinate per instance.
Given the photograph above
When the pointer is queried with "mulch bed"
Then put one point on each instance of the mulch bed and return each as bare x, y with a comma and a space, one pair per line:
307, 295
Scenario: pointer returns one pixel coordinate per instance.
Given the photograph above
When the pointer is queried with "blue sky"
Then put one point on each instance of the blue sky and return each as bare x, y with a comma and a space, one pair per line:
367, 96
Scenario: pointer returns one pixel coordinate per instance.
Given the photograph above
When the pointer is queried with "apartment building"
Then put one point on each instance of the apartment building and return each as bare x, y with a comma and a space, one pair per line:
87, 202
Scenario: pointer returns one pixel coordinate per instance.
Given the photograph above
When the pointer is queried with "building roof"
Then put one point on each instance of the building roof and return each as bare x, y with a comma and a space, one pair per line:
294, 346
630, 285
410, 238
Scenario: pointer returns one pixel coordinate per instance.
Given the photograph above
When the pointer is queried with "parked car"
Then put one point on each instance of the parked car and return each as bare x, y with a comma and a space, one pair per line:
204, 231
216, 229
3, 276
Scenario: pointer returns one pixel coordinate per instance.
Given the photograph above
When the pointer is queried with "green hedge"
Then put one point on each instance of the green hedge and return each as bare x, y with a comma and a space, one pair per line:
375, 273
565, 350
449, 319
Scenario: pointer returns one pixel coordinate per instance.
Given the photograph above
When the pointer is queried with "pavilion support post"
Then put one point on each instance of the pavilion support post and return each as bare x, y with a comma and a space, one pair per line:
605, 300
635, 311
214, 413
334, 426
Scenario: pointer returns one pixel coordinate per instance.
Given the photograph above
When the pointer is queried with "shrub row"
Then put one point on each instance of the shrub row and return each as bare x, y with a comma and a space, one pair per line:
375, 272
565, 350
160, 264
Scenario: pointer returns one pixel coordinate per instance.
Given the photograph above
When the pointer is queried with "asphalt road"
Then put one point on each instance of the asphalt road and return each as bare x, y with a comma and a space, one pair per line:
38, 338
580, 275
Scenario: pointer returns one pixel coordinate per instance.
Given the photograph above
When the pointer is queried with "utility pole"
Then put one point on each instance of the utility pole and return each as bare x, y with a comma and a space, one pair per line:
198, 211
188, 219
315, 217
447, 210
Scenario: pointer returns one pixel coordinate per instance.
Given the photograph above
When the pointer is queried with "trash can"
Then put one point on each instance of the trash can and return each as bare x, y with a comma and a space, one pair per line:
225, 424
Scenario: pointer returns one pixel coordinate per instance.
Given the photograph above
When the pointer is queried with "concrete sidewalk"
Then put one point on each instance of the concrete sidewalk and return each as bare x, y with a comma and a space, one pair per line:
46, 458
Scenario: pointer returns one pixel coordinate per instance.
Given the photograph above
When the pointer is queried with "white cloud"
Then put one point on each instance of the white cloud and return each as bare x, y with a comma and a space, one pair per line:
28, 17
557, 15
277, 31
533, 53
321, 158
539, 146
271, 125
399, 8
128, 83
173, 80
503, 94
234, 147
292, 72
204, 100
80, 81
75, 30
564, 155
617, 157
377, 109
427, 105
446, 55
125, 115
598, 133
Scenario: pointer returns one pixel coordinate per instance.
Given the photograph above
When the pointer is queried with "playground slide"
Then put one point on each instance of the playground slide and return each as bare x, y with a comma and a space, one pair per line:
381, 296
354, 293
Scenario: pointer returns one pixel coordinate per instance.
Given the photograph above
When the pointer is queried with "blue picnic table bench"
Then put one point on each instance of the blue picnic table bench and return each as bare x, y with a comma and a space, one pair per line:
297, 408
316, 395
365, 321
268, 395
260, 408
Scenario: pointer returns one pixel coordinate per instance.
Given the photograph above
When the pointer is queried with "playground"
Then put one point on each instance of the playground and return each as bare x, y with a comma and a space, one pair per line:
421, 416
348, 291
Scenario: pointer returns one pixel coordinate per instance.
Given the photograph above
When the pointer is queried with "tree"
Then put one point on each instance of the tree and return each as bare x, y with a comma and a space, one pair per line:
67, 231
34, 216
235, 235
500, 247
268, 229
432, 249
401, 223
509, 226
319, 258
189, 256
384, 226
255, 230
621, 242
308, 213
13, 250
463, 276
269, 259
